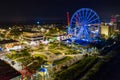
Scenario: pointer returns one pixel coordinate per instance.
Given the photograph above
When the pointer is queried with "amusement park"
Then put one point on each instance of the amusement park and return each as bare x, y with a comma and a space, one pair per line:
81, 49
84, 25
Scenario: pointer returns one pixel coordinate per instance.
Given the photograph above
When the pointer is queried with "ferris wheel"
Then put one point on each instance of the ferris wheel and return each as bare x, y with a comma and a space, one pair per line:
84, 24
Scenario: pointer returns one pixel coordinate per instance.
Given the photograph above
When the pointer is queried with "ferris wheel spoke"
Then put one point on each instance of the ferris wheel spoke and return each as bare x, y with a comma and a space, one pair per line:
91, 17
80, 19
89, 14
74, 18
80, 16
93, 20
86, 15
83, 14
73, 21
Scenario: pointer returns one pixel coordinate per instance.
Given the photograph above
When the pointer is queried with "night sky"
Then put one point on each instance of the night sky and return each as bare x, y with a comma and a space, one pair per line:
53, 10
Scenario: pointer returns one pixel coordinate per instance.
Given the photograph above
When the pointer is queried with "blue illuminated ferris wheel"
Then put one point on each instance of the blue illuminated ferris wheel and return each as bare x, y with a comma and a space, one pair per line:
84, 24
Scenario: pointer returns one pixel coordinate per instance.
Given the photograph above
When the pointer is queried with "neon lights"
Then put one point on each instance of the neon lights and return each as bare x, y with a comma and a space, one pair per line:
84, 24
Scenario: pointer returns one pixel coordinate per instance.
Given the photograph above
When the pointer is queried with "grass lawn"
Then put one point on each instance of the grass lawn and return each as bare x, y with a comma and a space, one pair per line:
62, 60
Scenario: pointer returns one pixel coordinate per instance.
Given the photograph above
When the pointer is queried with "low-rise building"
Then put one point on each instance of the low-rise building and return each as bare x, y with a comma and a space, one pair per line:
107, 29
10, 45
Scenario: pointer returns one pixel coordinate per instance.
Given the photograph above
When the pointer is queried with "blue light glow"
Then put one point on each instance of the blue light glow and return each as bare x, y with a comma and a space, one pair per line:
84, 24
38, 22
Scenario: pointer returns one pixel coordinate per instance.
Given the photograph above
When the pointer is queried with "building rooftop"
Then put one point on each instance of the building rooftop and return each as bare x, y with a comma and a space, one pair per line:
7, 41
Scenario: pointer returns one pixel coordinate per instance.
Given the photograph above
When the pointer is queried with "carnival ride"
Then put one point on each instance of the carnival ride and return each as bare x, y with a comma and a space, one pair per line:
84, 25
